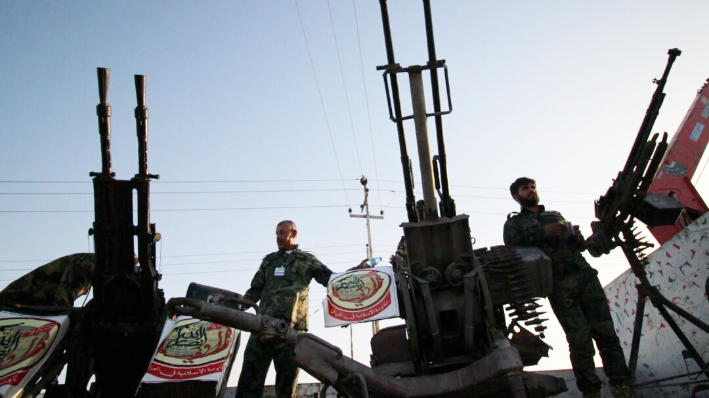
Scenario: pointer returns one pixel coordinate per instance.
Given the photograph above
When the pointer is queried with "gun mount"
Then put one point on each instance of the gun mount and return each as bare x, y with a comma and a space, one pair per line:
454, 341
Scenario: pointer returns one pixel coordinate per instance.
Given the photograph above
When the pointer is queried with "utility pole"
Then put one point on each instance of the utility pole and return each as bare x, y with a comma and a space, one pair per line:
366, 215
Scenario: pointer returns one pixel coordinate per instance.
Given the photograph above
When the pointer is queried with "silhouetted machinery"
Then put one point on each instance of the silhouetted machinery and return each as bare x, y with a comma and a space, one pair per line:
127, 304
455, 340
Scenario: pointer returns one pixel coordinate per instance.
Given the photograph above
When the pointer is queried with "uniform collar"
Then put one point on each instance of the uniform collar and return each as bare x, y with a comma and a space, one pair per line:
289, 251
524, 211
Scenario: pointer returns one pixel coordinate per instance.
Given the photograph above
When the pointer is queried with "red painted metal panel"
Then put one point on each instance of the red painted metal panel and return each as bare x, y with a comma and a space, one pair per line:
681, 161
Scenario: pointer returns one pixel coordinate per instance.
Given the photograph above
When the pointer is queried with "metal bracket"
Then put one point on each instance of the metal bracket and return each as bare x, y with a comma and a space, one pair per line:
432, 66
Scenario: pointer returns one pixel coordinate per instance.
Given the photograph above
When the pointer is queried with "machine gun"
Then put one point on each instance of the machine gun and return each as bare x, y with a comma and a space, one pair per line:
627, 198
124, 319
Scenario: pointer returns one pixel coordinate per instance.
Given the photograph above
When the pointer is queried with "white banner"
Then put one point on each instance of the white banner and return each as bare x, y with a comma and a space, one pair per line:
26, 341
361, 295
191, 349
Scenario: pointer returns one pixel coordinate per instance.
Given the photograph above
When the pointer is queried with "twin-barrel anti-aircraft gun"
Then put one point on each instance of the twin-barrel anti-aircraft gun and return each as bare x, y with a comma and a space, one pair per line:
455, 341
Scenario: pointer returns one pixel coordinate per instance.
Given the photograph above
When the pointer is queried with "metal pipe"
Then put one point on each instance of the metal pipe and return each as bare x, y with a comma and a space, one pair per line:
419, 107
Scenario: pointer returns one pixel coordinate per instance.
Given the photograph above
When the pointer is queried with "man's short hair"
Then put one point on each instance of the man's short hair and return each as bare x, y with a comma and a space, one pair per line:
289, 222
520, 182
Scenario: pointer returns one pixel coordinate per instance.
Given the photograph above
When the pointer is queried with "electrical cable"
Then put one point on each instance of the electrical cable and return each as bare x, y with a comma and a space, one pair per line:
366, 99
702, 172
344, 86
322, 101
186, 192
169, 181
185, 210
207, 254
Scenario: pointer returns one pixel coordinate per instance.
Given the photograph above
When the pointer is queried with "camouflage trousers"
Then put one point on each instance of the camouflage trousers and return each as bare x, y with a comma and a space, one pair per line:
580, 305
257, 360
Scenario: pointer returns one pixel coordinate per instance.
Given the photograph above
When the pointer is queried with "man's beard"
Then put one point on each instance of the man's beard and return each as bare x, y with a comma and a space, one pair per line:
529, 202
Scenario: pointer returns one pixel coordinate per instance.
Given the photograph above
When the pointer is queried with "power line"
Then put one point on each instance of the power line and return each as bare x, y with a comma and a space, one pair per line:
260, 251
283, 181
191, 192
502, 189
366, 99
322, 101
503, 198
344, 86
234, 270
702, 172
252, 260
246, 260
260, 191
184, 210
171, 182
304, 248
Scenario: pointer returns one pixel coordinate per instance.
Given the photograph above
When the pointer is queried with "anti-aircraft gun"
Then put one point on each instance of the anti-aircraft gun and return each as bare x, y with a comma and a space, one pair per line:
114, 336
125, 318
454, 341
628, 199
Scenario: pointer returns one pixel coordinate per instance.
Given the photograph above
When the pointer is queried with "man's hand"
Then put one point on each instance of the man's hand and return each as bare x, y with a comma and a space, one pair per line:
578, 235
364, 264
599, 242
554, 229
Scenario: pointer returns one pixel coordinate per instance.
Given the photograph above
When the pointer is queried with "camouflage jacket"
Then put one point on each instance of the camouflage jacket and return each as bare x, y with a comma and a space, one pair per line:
281, 285
57, 283
527, 229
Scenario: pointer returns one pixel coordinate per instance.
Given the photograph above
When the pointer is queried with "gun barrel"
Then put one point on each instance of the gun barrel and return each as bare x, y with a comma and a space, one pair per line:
405, 161
141, 123
103, 111
448, 206
651, 114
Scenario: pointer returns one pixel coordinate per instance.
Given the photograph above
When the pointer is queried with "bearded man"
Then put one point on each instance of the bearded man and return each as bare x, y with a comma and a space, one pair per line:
578, 299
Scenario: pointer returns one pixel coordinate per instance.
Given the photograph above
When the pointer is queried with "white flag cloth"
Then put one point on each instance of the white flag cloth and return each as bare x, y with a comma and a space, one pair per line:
361, 295
26, 341
191, 349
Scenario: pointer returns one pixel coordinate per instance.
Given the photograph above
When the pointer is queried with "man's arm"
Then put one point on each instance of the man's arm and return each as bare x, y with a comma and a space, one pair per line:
320, 272
257, 284
513, 234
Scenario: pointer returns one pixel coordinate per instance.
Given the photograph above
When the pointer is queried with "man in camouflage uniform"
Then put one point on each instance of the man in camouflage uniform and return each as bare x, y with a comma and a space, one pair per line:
281, 286
578, 299
57, 283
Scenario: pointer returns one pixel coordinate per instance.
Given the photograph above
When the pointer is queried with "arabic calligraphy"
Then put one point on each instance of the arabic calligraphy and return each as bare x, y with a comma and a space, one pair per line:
183, 373
358, 290
193, 347
192, 335
9, 338
23, 343
359, 315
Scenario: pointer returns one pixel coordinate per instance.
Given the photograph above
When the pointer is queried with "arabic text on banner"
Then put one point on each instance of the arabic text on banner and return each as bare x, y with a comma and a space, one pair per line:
361, 295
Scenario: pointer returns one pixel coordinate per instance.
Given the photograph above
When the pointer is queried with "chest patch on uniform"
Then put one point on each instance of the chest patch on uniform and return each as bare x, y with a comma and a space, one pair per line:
279, 271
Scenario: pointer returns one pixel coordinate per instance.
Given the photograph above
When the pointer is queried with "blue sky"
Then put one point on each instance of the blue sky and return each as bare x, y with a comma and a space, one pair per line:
243, 136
